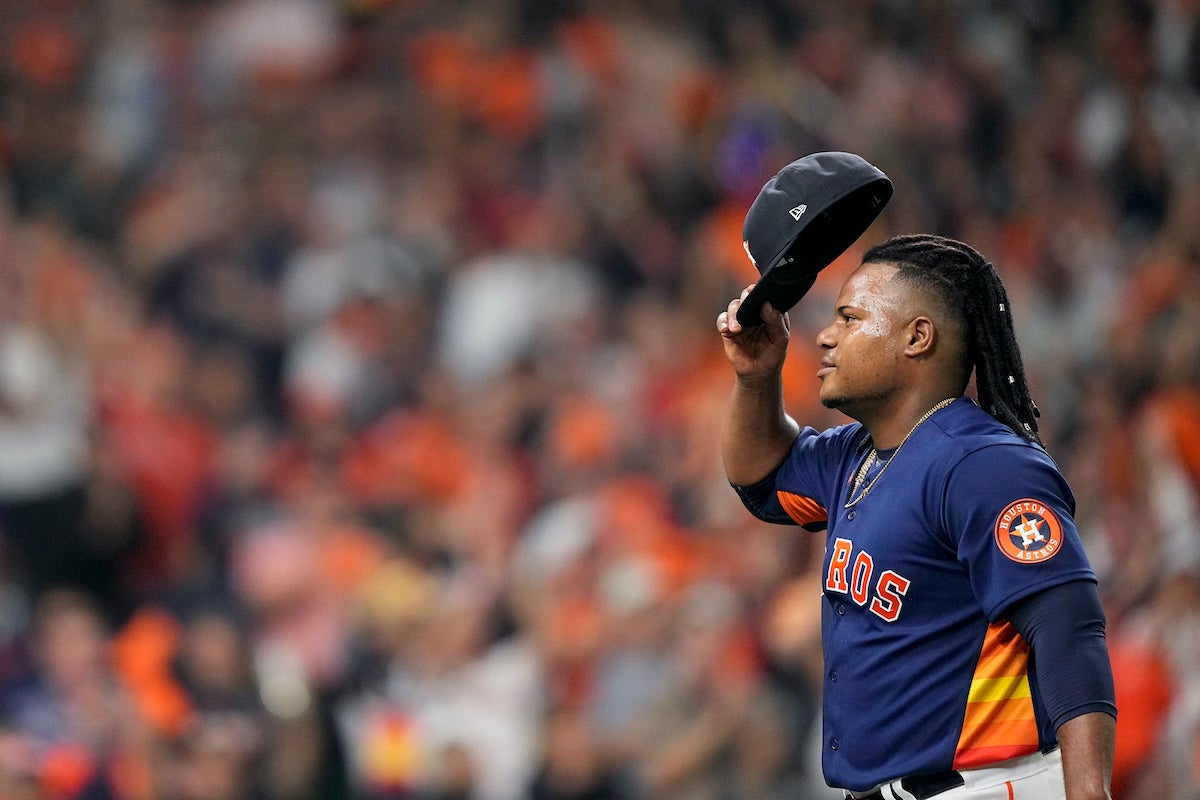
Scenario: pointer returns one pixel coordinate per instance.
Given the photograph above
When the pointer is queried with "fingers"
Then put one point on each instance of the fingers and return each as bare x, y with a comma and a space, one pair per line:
727, 321
773, 316
728, 324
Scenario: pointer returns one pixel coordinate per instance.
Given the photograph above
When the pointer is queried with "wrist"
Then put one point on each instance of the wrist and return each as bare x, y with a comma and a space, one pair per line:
761, 382
1088, 795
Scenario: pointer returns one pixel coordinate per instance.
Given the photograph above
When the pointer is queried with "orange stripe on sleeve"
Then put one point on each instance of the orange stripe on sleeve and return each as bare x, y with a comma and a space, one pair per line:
803, 510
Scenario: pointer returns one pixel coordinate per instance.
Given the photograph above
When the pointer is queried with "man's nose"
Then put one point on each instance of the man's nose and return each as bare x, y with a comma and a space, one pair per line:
825, 338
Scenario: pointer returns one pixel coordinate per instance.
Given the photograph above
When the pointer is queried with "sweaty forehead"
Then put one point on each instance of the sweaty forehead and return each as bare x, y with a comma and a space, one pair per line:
872, 284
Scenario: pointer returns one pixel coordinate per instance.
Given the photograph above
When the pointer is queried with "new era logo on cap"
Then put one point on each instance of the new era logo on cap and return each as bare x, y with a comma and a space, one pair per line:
798, 211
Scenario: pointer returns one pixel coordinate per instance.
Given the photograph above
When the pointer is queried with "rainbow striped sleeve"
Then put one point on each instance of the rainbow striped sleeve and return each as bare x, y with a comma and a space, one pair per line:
999, 722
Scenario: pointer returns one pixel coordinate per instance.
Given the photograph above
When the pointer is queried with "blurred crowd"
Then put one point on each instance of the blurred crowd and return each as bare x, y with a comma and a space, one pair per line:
360, 393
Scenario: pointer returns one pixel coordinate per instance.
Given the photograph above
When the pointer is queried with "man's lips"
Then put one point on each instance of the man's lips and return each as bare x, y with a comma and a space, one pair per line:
826, 368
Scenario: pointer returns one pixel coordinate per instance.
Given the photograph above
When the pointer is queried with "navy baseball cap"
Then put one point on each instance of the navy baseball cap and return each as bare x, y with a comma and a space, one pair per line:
804, 218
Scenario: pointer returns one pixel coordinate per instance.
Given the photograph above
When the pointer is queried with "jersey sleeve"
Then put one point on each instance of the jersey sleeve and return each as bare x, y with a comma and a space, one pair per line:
1065, 629
1010, 514
804, 485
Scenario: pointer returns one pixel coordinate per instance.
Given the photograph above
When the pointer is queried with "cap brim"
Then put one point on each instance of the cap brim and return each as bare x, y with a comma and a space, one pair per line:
816, 246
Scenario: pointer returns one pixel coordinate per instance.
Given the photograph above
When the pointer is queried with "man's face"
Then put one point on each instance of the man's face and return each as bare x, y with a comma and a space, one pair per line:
862, 349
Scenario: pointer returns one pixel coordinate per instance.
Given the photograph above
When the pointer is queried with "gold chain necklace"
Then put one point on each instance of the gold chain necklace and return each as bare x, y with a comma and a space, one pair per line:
873, 456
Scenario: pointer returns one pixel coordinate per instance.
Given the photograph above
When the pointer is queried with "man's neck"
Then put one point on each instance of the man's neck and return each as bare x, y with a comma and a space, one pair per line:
890, 425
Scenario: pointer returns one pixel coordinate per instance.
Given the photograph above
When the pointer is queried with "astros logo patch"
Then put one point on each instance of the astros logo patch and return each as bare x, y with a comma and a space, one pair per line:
1028, 532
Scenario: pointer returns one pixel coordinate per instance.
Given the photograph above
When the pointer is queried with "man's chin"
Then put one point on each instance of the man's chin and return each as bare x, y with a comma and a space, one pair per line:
854, 406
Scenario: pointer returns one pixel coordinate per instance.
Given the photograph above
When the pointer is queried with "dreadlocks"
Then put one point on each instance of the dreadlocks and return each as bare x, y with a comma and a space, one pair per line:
967, 284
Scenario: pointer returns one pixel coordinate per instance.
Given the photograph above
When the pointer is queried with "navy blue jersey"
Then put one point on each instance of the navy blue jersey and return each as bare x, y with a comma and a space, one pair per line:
923, 673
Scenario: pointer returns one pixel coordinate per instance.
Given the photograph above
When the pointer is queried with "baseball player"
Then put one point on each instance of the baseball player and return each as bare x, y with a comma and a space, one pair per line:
964, 642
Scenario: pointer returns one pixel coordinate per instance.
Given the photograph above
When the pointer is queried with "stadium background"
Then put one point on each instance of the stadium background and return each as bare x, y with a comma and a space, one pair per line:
360, 396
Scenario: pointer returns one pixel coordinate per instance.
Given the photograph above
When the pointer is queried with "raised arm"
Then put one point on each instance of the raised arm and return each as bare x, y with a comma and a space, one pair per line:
758, 432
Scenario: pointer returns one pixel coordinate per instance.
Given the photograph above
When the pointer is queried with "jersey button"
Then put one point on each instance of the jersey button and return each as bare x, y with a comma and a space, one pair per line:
833, 744
851, 514
841, 609
833, 676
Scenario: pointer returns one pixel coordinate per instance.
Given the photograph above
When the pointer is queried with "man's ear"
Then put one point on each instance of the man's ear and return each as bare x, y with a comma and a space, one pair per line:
922, 334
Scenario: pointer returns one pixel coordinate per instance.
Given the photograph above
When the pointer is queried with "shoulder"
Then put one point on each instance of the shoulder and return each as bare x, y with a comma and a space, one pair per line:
967, 431
851, 434
971, 452
835, 441
983, 459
